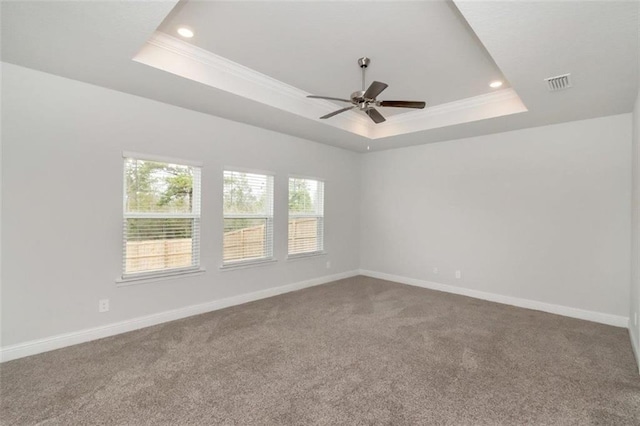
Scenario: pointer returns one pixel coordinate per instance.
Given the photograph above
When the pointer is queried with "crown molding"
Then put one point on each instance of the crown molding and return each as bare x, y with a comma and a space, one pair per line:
495, 104
449, 107
178, 57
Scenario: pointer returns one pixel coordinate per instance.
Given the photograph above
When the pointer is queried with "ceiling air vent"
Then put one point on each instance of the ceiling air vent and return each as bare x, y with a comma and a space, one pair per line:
559, 82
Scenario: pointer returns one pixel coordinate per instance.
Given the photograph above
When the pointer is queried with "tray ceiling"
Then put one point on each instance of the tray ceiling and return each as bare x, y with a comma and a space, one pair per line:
445, 54
423, 50
286, 50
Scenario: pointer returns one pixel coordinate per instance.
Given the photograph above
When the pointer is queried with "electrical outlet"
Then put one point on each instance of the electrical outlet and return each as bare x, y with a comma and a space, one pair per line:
435, 270
328, 264
458, 274
103, 305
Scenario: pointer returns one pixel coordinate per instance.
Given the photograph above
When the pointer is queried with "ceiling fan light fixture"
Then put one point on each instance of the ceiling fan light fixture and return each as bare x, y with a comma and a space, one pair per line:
495, 84
185, 32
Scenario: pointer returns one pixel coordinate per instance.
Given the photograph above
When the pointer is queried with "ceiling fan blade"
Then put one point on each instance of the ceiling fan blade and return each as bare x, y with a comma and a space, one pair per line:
375, 89
328, 98
340, 111
402, 104
375, 115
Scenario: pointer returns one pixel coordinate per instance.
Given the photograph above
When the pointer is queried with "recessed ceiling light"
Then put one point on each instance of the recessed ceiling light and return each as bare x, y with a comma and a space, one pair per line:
495, 84
185, 32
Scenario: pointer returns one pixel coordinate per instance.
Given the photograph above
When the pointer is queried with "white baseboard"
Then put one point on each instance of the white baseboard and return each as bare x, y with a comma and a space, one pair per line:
34, 347
599, 317
634, 346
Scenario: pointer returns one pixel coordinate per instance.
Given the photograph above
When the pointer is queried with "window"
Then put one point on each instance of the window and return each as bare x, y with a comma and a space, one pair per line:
306, 216
161, 217
248, 217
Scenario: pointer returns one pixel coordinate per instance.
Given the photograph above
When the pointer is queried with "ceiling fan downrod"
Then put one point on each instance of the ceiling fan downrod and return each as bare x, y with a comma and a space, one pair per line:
364, 63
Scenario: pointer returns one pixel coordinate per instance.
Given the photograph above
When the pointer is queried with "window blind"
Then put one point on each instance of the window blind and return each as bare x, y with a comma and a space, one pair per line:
161, 228
306, 216
248, 217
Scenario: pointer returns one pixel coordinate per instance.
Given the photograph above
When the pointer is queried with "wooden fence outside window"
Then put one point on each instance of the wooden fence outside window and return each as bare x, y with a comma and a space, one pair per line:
240, 244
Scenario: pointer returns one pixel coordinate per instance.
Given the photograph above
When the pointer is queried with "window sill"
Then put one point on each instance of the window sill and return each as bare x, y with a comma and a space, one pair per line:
301, 256
125, 282
247, 264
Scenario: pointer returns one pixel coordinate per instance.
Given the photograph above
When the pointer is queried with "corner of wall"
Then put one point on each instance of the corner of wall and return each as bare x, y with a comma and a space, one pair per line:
634, 312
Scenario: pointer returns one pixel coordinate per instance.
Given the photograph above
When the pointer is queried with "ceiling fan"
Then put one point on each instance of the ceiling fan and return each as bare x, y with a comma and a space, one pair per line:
365, 100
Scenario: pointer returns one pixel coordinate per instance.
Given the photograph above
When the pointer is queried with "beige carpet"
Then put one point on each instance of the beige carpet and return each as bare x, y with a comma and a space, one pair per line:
357, 351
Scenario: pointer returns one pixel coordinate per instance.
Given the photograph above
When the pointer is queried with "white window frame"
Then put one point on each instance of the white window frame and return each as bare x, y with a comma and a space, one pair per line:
320, 217
269, 222
195, 215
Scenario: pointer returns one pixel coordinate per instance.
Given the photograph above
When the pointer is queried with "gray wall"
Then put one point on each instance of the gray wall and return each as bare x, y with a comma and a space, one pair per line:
62, 203
634, 313
540, 214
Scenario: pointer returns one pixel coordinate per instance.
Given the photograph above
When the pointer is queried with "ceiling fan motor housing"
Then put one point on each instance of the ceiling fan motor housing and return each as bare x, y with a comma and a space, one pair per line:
357, 98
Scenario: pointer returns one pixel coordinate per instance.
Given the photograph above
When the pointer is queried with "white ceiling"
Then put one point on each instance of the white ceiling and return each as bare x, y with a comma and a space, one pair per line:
423, 50
596, 41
